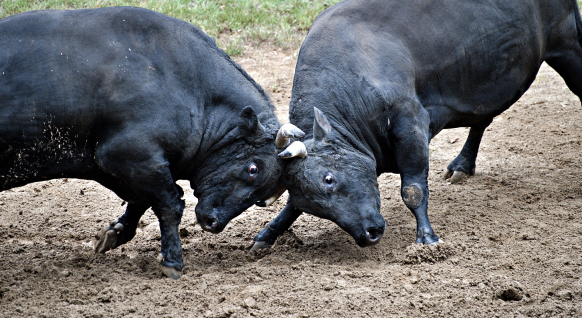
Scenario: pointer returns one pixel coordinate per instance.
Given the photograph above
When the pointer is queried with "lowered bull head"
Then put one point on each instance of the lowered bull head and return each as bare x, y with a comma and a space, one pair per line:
335, 182
243, 170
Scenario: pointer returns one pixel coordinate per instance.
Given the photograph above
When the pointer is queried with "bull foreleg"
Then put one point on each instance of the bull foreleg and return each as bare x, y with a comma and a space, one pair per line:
411, 135
464, 164
122, 230
415, 196
275, 228
149, 181
171, 253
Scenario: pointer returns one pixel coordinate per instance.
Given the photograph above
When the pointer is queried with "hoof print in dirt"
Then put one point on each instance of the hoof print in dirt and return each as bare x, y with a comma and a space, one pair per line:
510, 292
258, 253
420, 253
288, 238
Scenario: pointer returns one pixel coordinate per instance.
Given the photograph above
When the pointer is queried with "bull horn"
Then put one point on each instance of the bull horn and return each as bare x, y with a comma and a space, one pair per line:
272, 199
285, 132
296, 149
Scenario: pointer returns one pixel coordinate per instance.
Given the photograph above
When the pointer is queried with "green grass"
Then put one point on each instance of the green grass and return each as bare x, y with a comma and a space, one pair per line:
234, 23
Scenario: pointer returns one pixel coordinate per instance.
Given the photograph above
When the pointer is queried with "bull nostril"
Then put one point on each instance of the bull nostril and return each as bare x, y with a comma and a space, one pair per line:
209, 224
374, 234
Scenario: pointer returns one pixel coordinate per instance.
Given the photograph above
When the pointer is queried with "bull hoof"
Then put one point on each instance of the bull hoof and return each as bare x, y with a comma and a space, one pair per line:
260, 245
456, 176
437, 242
106, 239
428, 240
171, 272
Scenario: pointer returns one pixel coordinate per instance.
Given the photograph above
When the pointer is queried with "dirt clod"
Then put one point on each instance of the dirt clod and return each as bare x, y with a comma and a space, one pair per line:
420, 253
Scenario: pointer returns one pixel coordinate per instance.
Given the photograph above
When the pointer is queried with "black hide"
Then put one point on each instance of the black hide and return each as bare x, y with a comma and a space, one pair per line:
134, 100
389, 75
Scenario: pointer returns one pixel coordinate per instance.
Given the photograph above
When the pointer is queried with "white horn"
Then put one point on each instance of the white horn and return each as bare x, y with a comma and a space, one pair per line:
296, 149
285, 132
272, 199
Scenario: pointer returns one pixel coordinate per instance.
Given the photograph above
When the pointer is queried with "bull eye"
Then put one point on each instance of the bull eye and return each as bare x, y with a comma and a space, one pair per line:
329, 183
252, 170
328, 179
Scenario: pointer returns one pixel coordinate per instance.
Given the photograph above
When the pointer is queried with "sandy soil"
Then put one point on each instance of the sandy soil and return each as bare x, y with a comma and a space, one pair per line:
512, 237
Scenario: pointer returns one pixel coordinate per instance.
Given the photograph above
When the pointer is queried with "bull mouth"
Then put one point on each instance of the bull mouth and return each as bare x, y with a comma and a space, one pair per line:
216, 221
371, 236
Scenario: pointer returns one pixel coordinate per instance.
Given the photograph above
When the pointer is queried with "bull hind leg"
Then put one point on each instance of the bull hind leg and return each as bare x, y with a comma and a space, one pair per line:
464, 164
276, 228
569, 65
567, 61
567, 58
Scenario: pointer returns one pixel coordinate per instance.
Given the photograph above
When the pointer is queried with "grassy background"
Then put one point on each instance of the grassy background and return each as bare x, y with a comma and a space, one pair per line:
234, 23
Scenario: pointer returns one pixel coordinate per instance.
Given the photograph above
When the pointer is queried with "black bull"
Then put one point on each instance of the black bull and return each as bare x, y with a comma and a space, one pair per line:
134, 100
384, 77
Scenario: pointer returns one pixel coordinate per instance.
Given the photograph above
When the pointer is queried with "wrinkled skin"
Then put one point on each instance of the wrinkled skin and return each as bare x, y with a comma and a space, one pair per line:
214, 210
381, 78
144, 102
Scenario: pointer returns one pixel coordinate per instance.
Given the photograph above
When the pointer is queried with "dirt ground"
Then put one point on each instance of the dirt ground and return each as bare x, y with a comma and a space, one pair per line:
512, 237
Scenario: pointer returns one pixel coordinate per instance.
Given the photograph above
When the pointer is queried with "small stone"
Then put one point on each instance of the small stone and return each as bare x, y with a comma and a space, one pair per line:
75, 301
564, 295
250, 302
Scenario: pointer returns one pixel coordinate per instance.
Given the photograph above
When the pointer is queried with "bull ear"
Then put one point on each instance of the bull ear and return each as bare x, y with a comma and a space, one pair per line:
249, 121
321, 126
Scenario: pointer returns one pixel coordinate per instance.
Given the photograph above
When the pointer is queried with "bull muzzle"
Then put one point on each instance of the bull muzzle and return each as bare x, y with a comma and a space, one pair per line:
373, 235
210, 224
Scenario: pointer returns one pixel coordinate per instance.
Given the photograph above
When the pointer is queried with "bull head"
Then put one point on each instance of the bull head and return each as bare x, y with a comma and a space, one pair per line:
240, 170
328, 183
